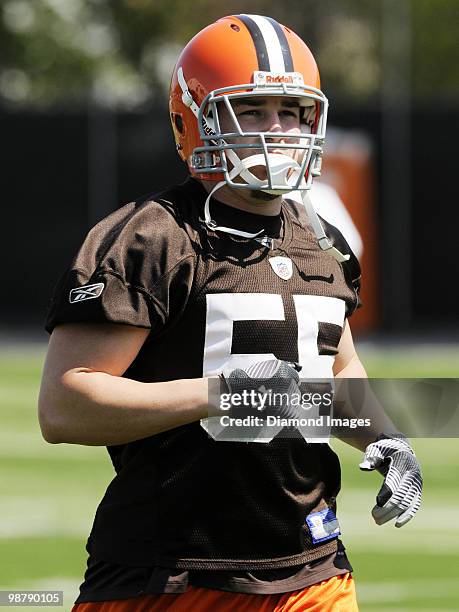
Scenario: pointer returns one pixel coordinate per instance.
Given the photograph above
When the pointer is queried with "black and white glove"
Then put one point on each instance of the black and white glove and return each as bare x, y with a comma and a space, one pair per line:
401, 492
277, 379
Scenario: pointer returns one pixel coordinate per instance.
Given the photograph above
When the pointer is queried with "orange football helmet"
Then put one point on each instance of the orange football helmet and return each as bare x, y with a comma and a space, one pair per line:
249, 56
246, 55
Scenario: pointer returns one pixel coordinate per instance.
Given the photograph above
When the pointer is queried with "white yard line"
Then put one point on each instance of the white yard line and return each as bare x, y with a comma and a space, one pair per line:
44, 516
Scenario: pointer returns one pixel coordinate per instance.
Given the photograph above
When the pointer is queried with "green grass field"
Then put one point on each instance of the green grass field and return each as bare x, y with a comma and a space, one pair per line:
49, 495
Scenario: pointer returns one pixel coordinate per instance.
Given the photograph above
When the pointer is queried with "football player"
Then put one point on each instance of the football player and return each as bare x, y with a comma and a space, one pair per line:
220, 275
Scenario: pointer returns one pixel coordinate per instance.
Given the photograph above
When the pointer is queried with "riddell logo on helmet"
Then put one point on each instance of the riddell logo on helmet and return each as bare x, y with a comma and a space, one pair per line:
281, 78
274, 78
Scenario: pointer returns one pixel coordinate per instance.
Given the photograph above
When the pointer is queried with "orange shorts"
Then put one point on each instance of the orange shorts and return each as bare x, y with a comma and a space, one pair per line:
336, 594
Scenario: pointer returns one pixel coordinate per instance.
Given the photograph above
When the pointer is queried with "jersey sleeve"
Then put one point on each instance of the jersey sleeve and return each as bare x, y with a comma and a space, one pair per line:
135, 267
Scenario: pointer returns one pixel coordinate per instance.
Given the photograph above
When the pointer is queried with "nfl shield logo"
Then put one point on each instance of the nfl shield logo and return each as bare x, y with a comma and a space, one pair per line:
282, 266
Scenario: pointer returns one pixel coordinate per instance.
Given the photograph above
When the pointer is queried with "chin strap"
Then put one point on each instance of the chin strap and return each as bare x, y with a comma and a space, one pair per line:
286, 170
322, 239
212, 225
281, 167
187, 98
242, 168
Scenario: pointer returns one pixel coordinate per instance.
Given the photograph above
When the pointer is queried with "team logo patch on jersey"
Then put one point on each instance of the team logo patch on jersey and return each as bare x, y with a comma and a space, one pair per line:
282, 266
323, 525
86, 292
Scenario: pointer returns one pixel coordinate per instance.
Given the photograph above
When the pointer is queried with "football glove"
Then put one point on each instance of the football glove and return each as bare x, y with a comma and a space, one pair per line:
401, 492
268, 377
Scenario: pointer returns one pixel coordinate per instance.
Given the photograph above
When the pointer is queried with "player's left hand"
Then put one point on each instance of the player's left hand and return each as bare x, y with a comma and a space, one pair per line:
272, 375
401, 492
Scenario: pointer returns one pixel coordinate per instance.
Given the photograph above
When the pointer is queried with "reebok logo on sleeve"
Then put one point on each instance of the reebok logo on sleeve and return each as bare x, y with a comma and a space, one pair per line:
86, 292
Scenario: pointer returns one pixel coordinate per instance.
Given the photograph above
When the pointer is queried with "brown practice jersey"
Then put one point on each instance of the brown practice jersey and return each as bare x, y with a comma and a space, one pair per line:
181, 499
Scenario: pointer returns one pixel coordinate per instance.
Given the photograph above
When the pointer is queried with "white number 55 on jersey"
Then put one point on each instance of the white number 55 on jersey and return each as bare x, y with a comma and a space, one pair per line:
225, 308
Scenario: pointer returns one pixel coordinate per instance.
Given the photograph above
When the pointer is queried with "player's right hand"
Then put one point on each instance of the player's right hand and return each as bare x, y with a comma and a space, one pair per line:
279, 379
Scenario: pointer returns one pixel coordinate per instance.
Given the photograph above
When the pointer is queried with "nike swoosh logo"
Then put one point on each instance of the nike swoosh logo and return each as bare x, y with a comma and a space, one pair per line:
325, 279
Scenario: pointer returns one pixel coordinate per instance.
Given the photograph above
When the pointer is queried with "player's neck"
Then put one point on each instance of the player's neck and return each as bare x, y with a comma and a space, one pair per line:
256, 202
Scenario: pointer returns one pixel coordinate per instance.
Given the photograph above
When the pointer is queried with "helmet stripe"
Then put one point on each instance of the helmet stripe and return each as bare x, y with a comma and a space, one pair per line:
272, 43
288, 59
258, 41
